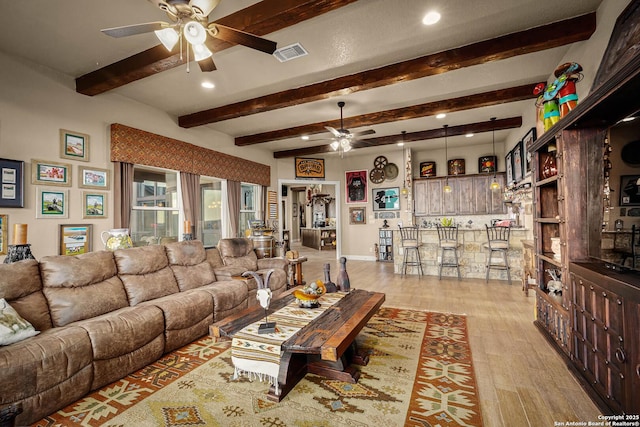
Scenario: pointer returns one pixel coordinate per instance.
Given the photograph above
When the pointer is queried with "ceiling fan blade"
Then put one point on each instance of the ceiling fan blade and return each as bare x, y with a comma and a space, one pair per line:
207, 65
364, 132
334, 131
132, 30
240, 37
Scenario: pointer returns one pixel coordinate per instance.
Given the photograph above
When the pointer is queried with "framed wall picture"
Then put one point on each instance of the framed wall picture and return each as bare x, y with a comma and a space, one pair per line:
74, 145
98, 179
356, 186
75, 239
52, 203
518, 162
309, 168
358, 215
630, 190
528, 139
94, 205
4, 237
386, 199
508, 164
12, 181
50, 173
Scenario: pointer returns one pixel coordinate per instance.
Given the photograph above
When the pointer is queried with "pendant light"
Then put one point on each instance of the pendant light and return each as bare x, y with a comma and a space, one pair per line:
447, 187
405, 190
494, 185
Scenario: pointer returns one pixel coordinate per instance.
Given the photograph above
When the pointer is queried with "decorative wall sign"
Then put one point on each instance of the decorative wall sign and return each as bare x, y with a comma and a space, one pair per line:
75, 239
386, 199
456, 167
356, 186
358, 215
630, 190
12, 181
74, 145
487, 164
427, 169
50, 173
309, 168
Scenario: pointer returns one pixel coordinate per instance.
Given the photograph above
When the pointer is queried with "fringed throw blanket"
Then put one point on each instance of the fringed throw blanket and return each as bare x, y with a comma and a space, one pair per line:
258, 355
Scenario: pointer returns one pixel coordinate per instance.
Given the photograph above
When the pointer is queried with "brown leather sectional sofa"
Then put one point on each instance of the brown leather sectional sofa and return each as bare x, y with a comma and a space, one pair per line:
103, 315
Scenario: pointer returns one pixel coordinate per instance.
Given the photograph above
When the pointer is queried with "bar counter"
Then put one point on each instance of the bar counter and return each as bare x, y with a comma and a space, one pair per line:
472, 256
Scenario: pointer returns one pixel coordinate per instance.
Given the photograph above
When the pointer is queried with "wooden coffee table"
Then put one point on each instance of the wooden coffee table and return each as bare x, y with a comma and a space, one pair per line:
326, 346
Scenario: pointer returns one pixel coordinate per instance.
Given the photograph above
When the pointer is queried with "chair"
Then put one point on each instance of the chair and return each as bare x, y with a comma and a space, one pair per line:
448, 242
498, 243
410, 243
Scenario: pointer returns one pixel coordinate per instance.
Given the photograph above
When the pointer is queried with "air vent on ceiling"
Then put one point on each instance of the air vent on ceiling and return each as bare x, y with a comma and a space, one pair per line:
290, 52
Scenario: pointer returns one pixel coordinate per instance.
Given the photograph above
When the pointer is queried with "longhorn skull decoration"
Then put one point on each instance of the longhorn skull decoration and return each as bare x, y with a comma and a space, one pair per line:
264, 297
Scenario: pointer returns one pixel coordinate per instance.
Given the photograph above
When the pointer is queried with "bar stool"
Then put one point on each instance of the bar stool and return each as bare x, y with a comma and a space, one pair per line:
448, 242
410, 243
498, 242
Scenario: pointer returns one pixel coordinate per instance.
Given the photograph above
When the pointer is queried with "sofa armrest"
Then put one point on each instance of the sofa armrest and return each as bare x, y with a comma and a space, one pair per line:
227, 272
275, 263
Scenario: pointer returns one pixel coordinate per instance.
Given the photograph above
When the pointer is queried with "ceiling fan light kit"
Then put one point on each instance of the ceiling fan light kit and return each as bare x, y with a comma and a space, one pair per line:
190, 19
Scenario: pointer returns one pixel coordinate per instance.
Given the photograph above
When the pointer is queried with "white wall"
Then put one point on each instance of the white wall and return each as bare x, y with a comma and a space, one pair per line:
35, 103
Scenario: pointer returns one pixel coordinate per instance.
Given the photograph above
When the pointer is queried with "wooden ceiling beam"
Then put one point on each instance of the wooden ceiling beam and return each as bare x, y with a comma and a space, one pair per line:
260, 19
523, 42
488, 126
485, 99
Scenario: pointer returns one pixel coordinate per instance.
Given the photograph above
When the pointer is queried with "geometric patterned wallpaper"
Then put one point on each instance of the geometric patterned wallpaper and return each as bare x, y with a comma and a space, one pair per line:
139, 147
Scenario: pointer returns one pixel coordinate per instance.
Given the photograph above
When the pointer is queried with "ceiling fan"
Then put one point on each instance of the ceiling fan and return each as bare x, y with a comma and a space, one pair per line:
190, 20
342, 137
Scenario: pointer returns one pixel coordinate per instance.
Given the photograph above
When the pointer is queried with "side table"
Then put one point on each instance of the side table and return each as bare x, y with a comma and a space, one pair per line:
295, 271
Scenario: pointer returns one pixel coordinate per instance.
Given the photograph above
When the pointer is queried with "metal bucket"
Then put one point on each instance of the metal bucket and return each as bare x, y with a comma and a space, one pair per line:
263, 246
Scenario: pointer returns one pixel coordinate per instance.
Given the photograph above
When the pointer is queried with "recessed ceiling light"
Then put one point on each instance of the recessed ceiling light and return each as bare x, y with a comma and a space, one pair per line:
628, 119
305, 137
400, 144
469, 135
431, 18
207, 85
441, 116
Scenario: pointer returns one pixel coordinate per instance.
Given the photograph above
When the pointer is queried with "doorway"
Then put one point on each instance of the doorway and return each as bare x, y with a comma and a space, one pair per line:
296, 195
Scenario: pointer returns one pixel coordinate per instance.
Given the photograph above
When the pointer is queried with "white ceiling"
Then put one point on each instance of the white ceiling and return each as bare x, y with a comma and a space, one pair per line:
65, 36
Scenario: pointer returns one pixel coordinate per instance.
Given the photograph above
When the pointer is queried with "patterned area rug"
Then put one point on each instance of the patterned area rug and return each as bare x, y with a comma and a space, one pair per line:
419, 374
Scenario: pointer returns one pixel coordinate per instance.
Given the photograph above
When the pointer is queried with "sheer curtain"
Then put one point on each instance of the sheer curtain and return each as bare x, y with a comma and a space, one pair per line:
122, 194
190, 185
233, 198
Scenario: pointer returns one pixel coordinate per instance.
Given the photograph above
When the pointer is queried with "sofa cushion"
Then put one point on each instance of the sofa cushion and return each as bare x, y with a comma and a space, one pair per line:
229, 297
46, 372
21, 286
13, 327
238, 252
145, 273
124, 341
189, 264
81, 286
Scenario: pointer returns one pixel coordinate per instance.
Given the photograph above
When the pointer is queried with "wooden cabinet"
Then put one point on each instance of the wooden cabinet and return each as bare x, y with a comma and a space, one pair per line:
470, 195
605, 333
385, 245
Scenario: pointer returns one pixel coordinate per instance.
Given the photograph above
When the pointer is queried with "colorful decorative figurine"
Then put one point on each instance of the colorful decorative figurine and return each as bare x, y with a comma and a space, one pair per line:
551, 112
567, 75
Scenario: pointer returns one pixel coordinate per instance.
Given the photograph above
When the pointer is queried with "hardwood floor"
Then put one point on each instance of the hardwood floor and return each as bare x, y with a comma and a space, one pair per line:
522, 381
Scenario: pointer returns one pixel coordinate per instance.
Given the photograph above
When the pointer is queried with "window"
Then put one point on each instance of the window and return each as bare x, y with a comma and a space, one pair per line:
156, 207
211, 195
248, 207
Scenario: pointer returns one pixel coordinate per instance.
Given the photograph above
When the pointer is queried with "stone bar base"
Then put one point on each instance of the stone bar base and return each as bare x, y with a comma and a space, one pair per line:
471, 254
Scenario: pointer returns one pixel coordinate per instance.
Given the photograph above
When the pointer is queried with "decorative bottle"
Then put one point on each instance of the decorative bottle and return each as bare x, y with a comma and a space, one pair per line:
328, 284
342, 281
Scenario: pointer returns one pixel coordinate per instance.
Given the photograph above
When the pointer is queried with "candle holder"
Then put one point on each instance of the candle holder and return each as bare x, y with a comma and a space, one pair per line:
18, 253
187, 236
